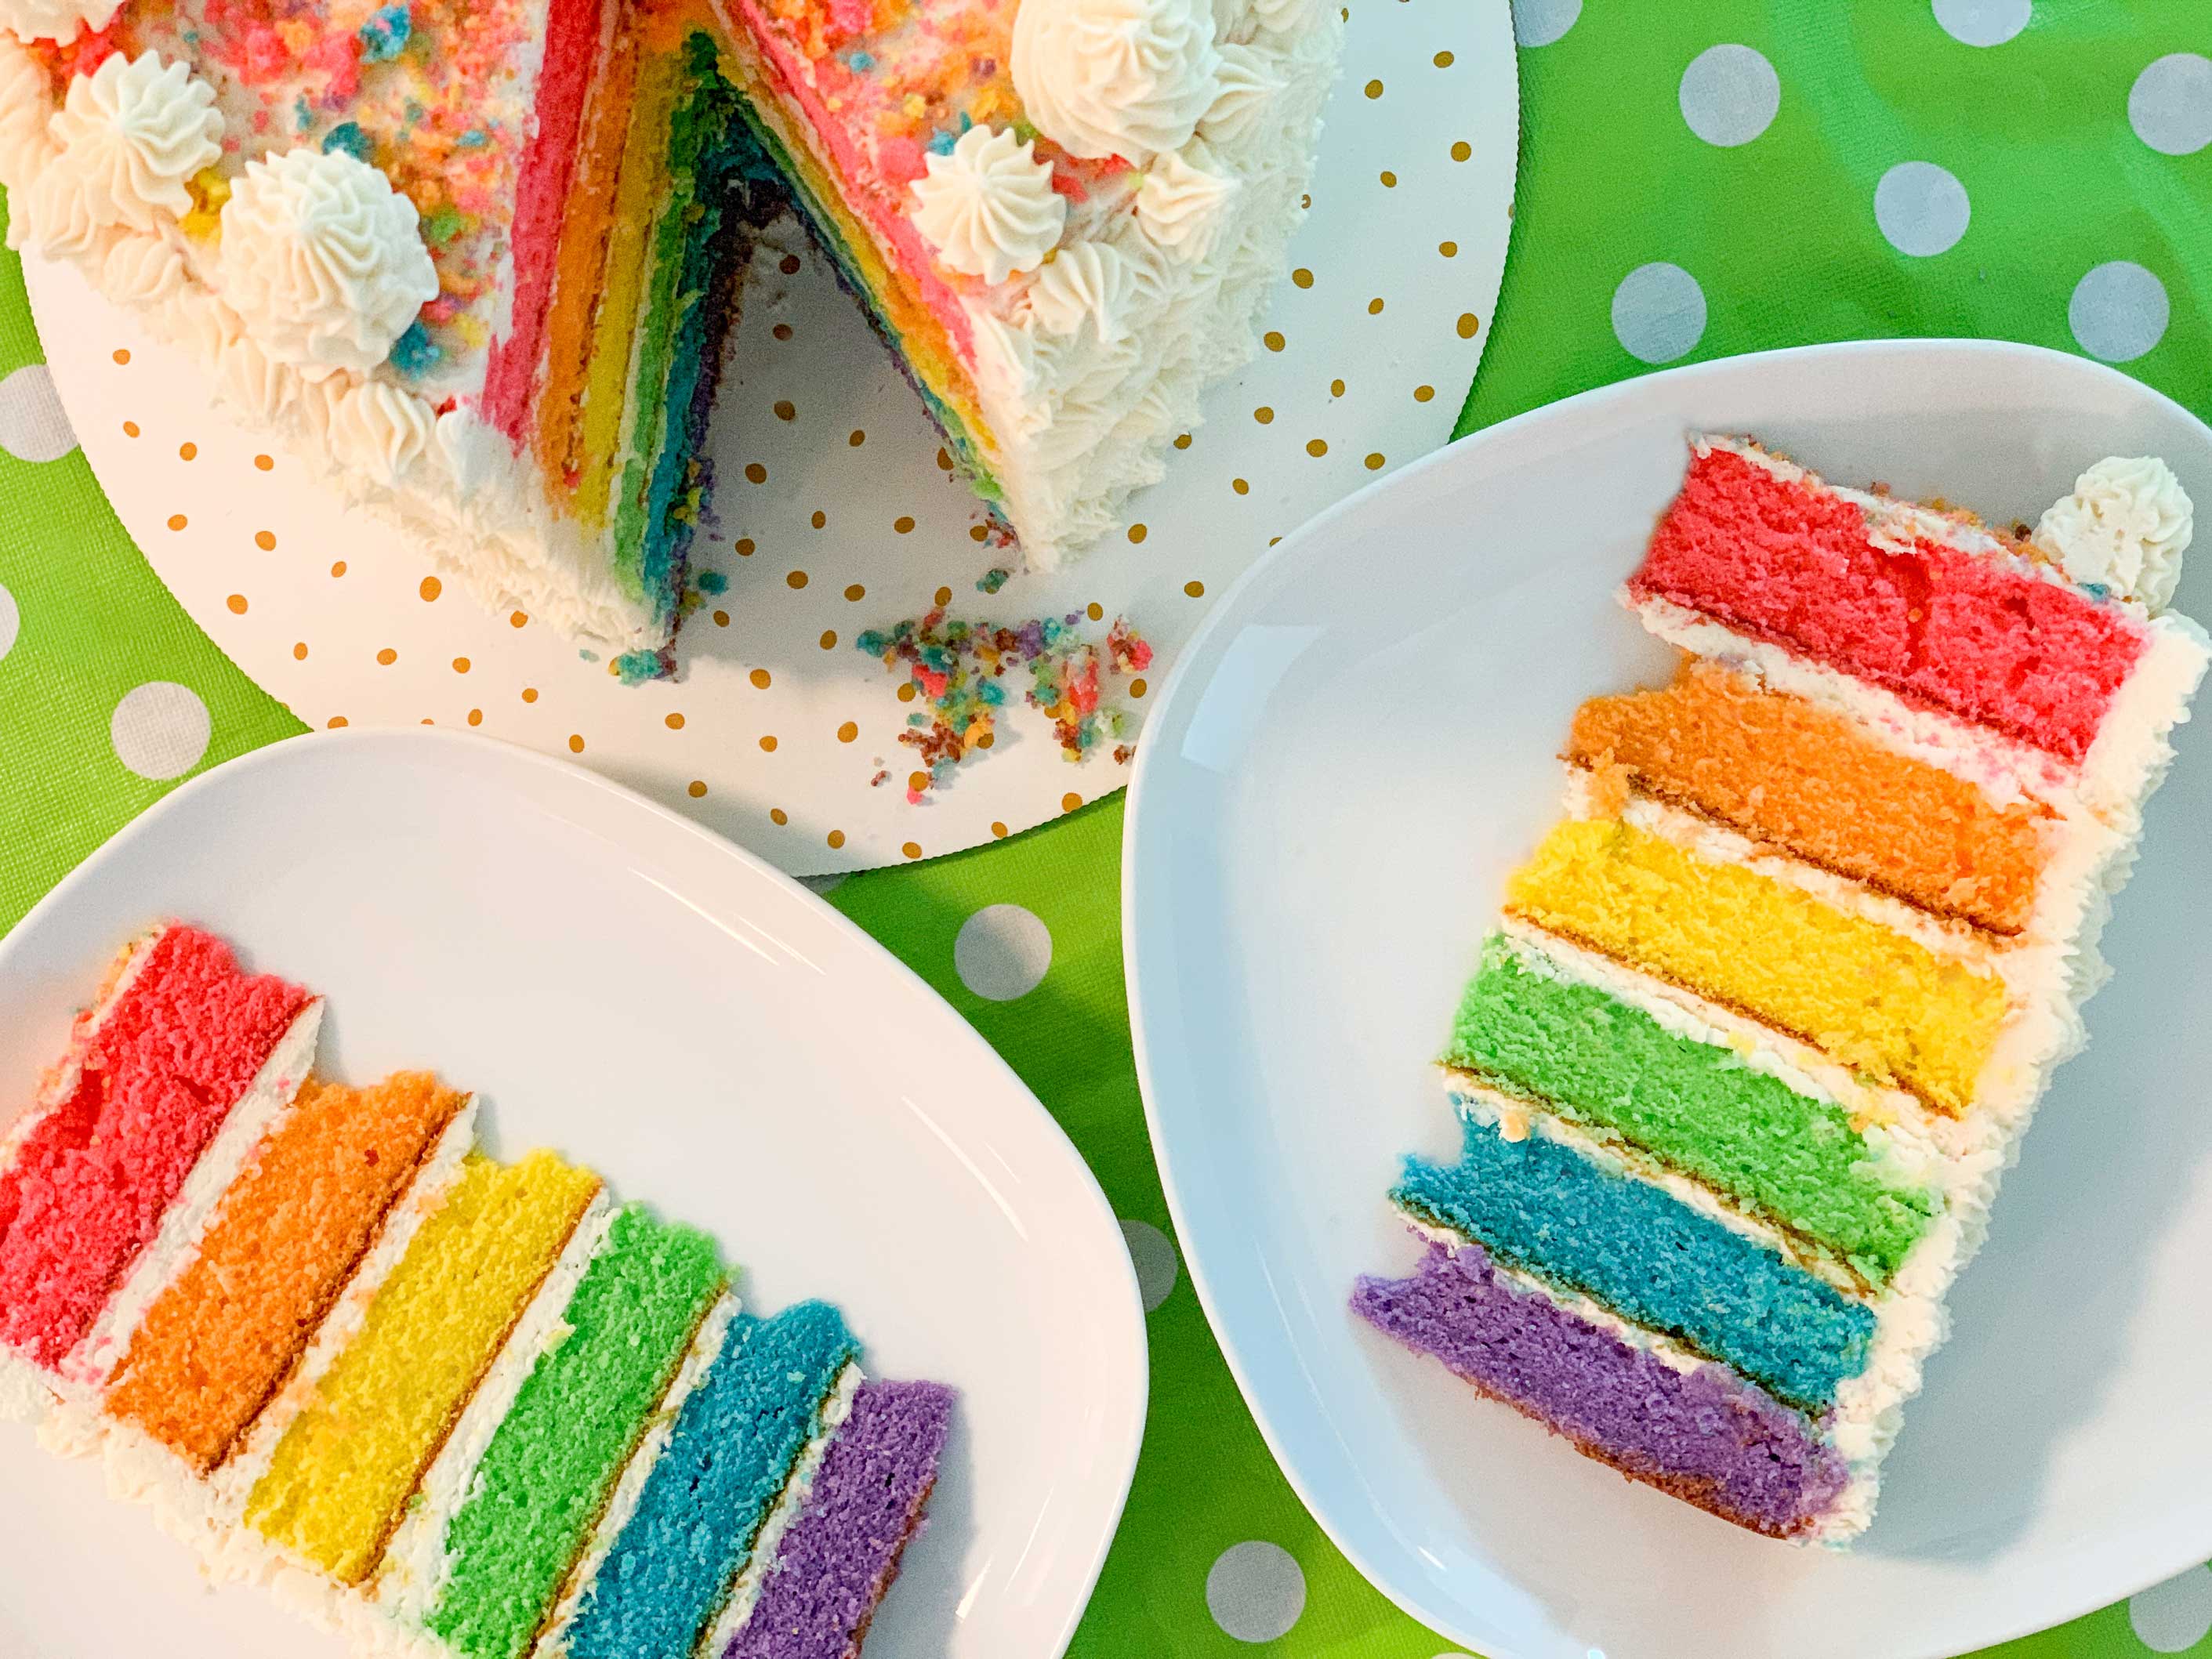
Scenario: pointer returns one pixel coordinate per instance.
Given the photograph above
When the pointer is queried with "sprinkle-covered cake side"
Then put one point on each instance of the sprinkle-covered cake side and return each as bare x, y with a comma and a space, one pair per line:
1773, 1002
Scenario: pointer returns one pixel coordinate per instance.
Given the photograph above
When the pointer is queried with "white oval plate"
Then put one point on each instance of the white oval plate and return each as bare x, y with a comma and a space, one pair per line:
1374, 316
634, 992
1353, 753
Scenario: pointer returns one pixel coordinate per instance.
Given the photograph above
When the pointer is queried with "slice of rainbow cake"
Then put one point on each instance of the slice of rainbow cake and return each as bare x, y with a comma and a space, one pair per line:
1769, 1010
454, 1407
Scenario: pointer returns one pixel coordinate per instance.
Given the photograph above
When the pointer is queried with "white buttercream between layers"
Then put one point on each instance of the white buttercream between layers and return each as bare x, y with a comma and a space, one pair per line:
176, 1245
744, 1592
407, 1581
707, 1345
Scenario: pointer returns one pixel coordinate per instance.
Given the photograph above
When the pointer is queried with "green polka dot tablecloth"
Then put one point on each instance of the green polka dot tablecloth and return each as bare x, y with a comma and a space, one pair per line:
1697, 178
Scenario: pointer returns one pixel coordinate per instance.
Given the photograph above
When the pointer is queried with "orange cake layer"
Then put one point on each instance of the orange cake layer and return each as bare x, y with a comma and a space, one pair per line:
1804, 777
222, 1337
586, 239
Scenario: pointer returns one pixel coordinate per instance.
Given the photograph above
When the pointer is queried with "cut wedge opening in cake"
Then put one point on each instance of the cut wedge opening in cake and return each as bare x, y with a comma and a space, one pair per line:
1769, 1008
479, 262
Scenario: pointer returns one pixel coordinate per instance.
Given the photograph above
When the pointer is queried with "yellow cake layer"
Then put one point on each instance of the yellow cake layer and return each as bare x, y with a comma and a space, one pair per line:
1877, 1002
586, 238
335, 1485
643, 187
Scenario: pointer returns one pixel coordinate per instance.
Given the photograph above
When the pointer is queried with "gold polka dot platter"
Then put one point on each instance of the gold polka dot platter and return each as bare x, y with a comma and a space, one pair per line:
834, 509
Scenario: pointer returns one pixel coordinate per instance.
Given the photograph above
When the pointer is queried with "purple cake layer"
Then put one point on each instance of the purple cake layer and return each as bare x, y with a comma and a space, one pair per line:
838, 1556
1703, 1434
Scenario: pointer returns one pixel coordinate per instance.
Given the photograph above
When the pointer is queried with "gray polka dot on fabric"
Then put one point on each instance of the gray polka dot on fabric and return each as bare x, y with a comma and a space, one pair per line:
1658, 313
1255, 1592
160, 730
2170, 106
2175, 1616
1729, 96
1921, 209
1153, 1255
1539, 22
1983, 22
1002, 952
33, 425
2118, 311
11, 622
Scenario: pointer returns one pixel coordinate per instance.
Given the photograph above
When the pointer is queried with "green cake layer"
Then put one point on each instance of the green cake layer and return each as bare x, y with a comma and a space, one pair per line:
546, 1476
1787, 1158
719, 182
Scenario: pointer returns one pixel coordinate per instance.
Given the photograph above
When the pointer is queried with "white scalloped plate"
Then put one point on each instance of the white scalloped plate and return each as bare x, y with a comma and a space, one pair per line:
1377, 314
632, 991
1297, 930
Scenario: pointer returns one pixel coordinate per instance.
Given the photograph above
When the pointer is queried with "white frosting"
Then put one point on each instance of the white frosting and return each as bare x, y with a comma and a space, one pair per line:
1248, 82
1282, 16
129, 135
1115, 77
989, 207
2126, 527
55, 20
26, 107
1183, 201
1084, 281
324, 259
144, 270
381, 430
1077, 421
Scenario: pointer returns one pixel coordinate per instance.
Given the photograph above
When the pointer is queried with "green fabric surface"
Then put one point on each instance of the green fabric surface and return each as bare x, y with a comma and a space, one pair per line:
1780, 235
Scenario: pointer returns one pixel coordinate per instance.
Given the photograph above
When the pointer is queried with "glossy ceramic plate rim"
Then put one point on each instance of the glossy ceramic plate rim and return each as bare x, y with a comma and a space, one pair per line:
1170, 720
545, 780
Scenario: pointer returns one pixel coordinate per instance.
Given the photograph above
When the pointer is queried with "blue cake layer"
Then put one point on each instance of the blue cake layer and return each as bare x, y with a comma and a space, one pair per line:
730, 1454
1542, 1206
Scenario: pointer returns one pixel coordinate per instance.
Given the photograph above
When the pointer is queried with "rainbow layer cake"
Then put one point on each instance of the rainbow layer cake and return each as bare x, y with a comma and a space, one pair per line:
1768, 1011
478, 257
449, 1406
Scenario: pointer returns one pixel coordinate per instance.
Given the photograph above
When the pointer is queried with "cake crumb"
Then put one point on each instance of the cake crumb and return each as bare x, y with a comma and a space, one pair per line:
957, 668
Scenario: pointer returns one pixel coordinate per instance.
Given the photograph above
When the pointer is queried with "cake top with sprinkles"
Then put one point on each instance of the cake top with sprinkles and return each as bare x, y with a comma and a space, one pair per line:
433, 94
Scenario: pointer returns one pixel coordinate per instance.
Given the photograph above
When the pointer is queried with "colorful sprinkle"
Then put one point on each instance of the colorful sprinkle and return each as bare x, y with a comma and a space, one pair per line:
347, 135
413, 353
960, 668
384, 36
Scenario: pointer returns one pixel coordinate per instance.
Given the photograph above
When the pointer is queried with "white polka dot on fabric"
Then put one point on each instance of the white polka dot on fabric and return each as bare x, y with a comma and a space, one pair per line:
1254, 1591
1539, 22
1729, 96
2118, 311
1983, 22
160, 730
11, 622
33, 425
1658, 313
1921, 209
2175, 1616
2170, 106
1002, 952
1153, 1255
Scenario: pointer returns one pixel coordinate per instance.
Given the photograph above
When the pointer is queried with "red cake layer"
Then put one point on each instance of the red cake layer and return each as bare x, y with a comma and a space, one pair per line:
1792, 562
154, 1079
564, 84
